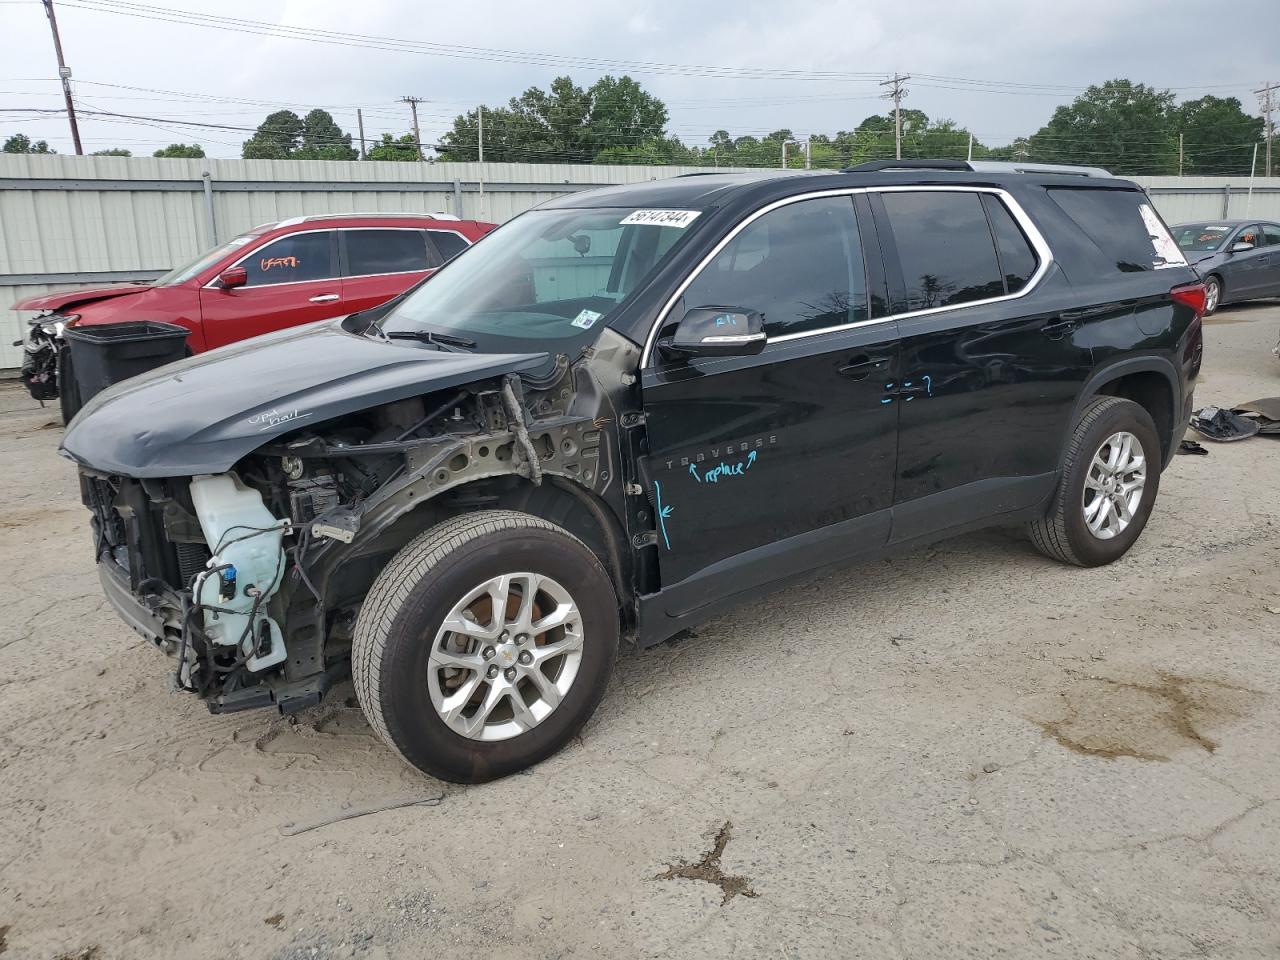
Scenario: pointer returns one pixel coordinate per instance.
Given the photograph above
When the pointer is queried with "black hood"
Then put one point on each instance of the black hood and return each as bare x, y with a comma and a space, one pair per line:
202, 414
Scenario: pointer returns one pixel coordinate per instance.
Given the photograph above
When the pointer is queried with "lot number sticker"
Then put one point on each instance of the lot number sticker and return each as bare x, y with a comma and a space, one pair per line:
663, 218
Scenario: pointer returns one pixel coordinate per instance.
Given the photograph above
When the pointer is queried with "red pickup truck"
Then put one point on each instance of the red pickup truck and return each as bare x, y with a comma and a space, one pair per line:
276, 275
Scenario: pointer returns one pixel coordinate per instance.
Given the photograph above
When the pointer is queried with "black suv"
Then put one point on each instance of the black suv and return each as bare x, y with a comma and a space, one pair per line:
626, 411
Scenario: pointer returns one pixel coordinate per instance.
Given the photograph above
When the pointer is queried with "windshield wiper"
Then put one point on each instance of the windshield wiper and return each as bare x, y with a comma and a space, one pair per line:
426, 336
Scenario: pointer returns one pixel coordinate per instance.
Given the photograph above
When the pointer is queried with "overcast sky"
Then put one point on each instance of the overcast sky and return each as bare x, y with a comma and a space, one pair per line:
1053, 50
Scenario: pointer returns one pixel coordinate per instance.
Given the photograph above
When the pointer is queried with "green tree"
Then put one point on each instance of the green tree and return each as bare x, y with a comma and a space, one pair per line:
276, 138
21, 143
403, 148
1124, 126
1218, 136
323, 139
565, 123
112, 152
188, 151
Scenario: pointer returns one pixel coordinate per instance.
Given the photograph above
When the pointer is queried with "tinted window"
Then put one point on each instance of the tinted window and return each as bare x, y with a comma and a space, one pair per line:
945, 248
303, 256
1129, 236
449, 244
386, 251
1017, 259
799, 266
1272, 234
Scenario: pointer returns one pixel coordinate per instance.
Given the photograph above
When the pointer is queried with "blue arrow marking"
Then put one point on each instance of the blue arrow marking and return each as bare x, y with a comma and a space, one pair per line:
663, 513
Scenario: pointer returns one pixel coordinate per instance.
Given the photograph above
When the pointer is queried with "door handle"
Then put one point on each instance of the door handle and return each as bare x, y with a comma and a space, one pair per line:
862, 366
325, 298
1060, 328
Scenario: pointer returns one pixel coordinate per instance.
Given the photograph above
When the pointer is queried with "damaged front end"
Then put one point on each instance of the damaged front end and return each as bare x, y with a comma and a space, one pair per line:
252, 575
41, 352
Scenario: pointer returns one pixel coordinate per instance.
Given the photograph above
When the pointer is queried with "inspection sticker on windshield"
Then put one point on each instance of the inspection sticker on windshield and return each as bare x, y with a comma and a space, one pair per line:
1168, 254
586, 319
663, 218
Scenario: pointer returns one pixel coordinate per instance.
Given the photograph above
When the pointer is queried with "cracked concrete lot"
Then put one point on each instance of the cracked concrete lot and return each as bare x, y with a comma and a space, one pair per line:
965, 751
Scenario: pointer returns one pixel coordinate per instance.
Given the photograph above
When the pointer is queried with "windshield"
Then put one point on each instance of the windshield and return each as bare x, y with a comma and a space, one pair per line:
1201, 236
203, 262
546, 281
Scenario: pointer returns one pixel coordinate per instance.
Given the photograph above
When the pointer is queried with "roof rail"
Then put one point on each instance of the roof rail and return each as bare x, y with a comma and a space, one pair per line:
979, 166
871, 166
294, 221
1064, 169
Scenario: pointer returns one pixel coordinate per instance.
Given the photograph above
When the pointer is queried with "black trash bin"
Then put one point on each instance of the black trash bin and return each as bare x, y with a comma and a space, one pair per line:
107, 353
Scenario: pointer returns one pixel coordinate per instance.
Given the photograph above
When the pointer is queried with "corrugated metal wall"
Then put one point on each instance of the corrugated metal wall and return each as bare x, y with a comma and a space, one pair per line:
68, 222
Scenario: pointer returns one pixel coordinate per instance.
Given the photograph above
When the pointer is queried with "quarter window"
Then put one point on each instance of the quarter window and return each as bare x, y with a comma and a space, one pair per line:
799, 266
449, 244
386, 251
945, 248
1017, 258
302, 256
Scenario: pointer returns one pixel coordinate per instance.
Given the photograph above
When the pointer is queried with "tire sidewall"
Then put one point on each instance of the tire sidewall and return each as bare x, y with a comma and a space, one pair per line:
411, 719
1134, 419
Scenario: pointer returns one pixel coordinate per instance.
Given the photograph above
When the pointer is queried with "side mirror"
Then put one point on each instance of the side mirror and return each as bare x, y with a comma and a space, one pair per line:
233, 277
1240, 246
718, 332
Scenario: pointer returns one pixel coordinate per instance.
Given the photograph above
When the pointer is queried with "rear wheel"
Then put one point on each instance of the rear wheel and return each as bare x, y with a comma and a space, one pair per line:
485, 644
1108, 486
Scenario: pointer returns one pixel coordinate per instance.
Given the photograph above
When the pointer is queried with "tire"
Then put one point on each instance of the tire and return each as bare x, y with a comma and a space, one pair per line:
1064, 533
399, 634
1212, 294
68, 393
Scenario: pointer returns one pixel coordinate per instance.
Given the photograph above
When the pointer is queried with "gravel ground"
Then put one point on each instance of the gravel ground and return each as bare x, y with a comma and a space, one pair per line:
966, 751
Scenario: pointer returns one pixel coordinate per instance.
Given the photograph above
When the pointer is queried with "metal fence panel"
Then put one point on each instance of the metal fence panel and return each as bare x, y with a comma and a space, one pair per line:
73, 222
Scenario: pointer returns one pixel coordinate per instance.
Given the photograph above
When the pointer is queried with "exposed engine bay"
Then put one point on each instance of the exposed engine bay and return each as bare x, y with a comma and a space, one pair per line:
252, 578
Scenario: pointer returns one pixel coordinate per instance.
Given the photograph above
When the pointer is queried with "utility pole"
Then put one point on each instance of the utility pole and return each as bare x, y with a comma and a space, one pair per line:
360, 124
970, 157
1179, 153
417, 136
65, 73
480, 155
896, 94
1268, 104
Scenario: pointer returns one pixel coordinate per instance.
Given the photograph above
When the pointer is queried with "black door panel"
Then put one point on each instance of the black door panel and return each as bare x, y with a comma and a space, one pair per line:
748, 451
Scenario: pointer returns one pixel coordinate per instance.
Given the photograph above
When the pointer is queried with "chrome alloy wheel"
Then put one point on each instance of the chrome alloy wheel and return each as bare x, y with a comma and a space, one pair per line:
1113, 487
505, 656
1212, 293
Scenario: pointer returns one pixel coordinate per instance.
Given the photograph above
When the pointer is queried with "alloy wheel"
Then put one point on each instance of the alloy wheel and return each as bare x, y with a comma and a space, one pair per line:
505, 656
1114, 485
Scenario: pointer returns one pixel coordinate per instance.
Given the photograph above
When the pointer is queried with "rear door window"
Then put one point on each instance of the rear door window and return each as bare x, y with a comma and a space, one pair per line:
1018, 260
1271, 234
800, 266
945, 248
373, 252
1123, 225
292, 259
449, 244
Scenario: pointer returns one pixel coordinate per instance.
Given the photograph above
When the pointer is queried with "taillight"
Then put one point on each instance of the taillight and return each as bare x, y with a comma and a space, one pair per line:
1191, 295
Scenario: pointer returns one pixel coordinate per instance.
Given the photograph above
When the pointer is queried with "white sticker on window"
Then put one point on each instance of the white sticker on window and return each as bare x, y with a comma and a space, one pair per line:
1168, 254
663, 218
586, 319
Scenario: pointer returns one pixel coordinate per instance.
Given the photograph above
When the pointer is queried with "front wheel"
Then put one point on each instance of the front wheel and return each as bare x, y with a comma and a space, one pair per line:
484, 645
1212, 294
1108, 485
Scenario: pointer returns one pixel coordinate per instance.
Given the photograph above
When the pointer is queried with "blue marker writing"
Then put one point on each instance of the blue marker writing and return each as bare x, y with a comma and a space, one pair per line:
663, 513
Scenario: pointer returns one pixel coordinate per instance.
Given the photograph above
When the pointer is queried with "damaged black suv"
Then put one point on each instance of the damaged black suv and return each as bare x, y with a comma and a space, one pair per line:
626, 411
